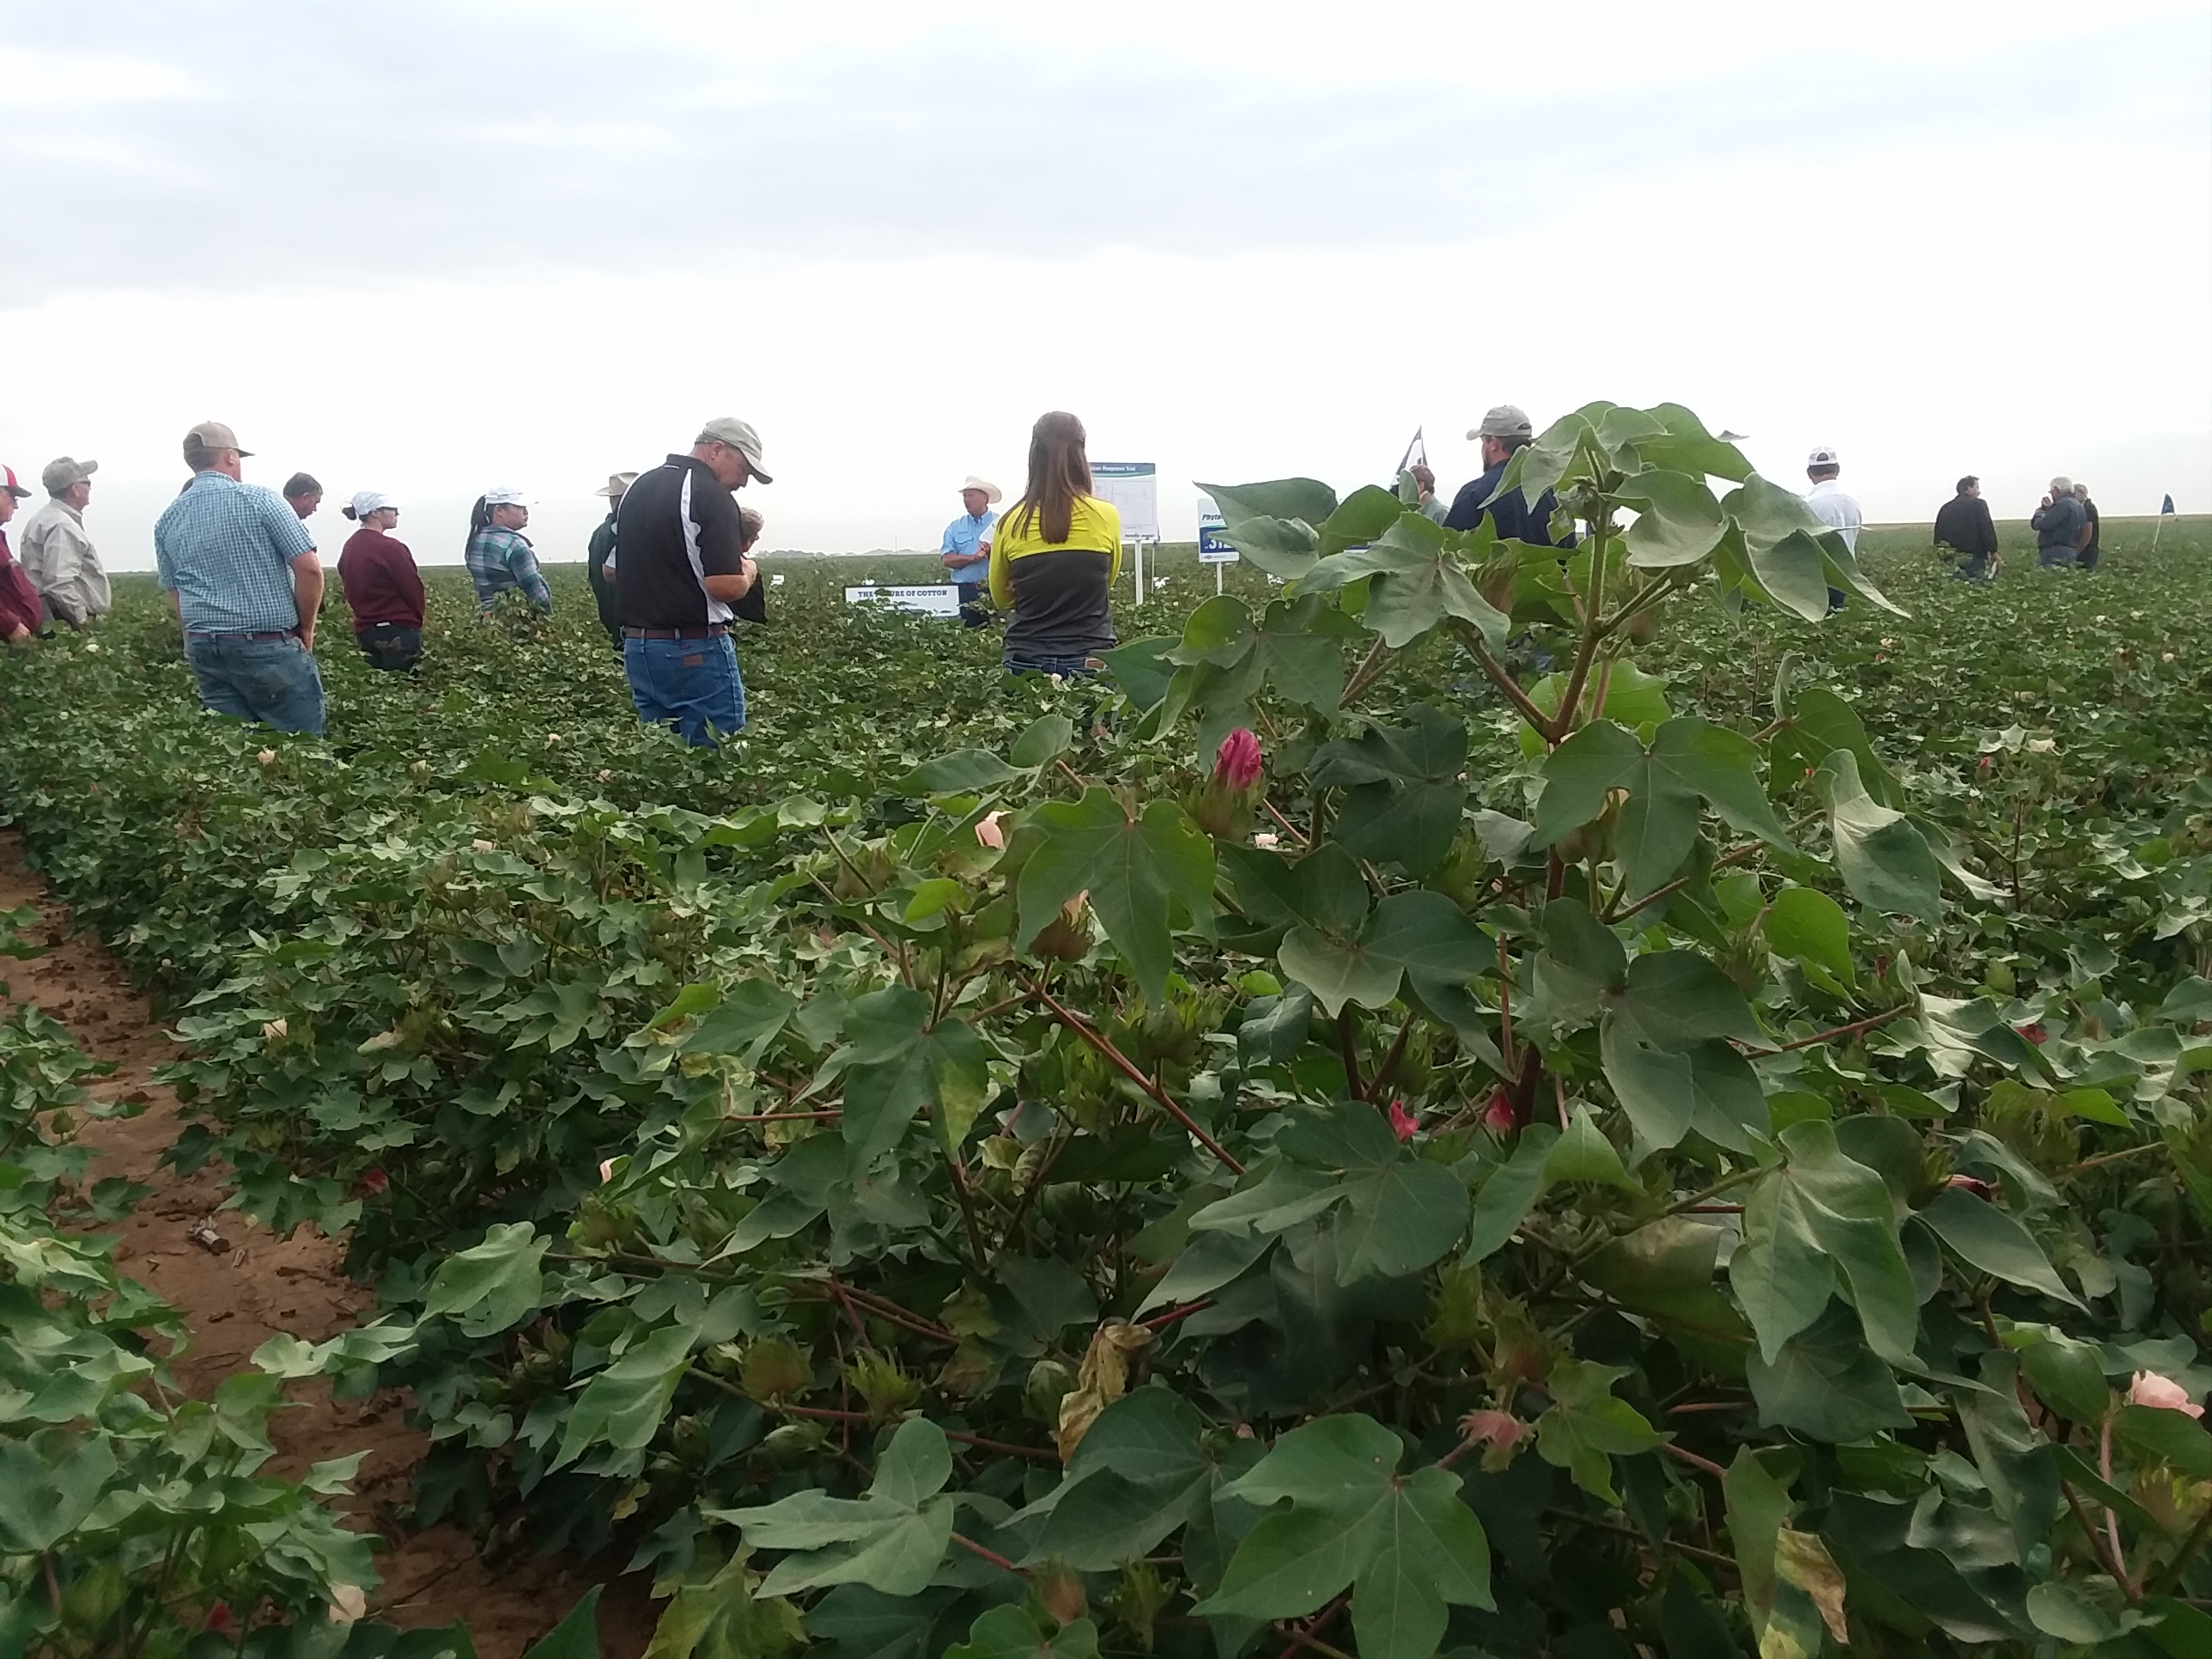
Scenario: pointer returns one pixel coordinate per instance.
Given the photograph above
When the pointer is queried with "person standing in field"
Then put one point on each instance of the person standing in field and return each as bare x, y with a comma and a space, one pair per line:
21, 614
2060, 525
1964, 526
383, 588
1505, 429
303, 495
499, 555
2091, 552
1054, 556
599, 554
58, 556
1833, 506
239, 568
1433, 507
967, 549
680, 569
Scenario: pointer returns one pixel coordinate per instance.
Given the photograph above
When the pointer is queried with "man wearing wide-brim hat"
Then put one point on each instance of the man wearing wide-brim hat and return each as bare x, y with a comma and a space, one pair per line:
967, 550
599, 557
57, 556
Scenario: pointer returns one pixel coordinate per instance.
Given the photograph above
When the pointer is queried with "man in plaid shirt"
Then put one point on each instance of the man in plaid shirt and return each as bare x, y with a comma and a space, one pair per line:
241, 569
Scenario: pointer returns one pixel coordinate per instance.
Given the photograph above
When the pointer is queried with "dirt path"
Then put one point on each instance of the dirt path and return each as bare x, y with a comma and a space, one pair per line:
235, 1299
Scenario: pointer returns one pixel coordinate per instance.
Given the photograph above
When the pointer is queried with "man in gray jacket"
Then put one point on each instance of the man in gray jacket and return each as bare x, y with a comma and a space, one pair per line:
59, 559
2059, 524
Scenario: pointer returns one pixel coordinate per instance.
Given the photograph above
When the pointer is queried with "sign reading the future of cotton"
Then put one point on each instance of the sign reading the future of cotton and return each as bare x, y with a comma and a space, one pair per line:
1133, 487
931, 601
1213, 545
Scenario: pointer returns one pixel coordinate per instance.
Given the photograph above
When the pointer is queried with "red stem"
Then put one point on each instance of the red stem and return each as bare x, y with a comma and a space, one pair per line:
1128, 1068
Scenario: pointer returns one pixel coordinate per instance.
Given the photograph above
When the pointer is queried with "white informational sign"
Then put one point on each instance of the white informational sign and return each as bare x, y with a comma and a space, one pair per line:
1213, 547
1133, 487
931, 601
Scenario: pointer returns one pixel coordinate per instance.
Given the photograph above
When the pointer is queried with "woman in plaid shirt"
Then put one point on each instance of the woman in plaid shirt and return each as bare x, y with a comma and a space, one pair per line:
499, 554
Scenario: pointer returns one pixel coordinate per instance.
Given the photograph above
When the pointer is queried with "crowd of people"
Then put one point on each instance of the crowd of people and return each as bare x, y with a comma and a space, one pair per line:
670, 566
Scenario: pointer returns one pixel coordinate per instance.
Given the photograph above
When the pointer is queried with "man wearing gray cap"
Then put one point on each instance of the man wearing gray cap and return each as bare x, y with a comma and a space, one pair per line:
1504, 429
57, 556
680, 569
241, 569
2061, 526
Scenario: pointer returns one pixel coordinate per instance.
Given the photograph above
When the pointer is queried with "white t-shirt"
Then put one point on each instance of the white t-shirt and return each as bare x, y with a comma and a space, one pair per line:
1837, 510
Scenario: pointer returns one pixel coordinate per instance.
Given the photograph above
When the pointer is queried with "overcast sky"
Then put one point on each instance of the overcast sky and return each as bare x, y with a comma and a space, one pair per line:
429, 247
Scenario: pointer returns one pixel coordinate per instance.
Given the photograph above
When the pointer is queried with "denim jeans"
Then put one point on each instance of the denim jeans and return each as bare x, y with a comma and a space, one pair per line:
690, 685
275, 682
1069, 668
388, 645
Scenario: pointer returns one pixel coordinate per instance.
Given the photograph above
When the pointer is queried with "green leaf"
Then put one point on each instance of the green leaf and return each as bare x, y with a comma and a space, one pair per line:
1398, 1220
1415, 584
1757, 1505
1009, 1632
2170, 1435
1415, 934
722, 1619
1819, 1214
1141, 670
1984, 1237
576, 1636
1138, 872
894, 1538
492, 1285
1882, 858
1807, 926
1678, 521
1141, 1471
1677, 1000
1709, 1087
1505, 1198
1582, 1153
1586, 1427
1044, 740
1273, 525
1408, 1545
962, 772
747, 1020
2067, 1375
1827, 1383
48, 1501
624, 1404
896, 1070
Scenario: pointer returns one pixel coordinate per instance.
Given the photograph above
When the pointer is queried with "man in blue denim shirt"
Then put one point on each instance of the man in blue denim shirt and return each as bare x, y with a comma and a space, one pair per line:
967, 550
241, 569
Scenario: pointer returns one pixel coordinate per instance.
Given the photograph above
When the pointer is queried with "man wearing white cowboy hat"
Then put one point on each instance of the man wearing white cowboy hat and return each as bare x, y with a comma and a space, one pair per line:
599, 557
968, 549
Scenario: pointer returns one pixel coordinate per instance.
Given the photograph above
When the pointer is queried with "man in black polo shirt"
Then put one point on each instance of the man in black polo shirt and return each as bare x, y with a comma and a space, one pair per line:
681, 568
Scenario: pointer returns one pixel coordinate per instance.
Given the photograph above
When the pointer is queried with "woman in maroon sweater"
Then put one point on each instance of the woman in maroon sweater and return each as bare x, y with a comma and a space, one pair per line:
382, 586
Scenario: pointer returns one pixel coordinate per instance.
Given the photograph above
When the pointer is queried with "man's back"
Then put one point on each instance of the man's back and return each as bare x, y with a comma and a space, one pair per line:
225, 550
1963, 523
1511, 515
677, 525
2059, 524
1837, 510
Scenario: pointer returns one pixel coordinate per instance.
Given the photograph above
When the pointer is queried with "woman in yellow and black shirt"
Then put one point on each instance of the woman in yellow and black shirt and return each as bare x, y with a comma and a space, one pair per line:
1054, 556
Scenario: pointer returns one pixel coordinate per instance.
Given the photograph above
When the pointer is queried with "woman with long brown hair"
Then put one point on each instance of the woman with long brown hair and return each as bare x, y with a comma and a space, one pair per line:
1055, 558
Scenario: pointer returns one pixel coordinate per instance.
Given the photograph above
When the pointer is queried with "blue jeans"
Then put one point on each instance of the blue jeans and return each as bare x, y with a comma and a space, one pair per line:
275, 682
1069, 668
690, 685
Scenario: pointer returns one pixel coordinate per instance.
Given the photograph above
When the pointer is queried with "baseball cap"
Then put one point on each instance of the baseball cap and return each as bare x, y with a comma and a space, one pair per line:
367, 501
1506, 420
11, 486
506, 498
60, 474
734, 433
1824, 456
617, 483
208, 436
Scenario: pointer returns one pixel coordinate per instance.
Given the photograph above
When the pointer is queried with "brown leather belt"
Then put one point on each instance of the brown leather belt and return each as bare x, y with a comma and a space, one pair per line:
706, 632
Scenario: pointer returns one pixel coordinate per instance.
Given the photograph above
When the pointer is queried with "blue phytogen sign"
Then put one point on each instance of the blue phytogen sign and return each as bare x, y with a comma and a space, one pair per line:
1213, 547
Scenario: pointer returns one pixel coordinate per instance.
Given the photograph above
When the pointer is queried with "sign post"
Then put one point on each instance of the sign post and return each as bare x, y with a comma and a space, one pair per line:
1214, 546
1133, 488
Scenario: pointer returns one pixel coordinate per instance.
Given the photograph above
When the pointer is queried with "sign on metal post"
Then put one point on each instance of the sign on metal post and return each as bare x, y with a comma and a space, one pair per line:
1133, 488
933, 600
1213, 545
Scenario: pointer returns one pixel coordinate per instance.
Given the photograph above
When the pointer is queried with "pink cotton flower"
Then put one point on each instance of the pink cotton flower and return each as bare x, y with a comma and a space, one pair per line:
989, 833
1237, 763
1402, 1122
2033, 1032
219, 1620
1497, 1116
374, 1180
2161, 1394
1973, 1184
